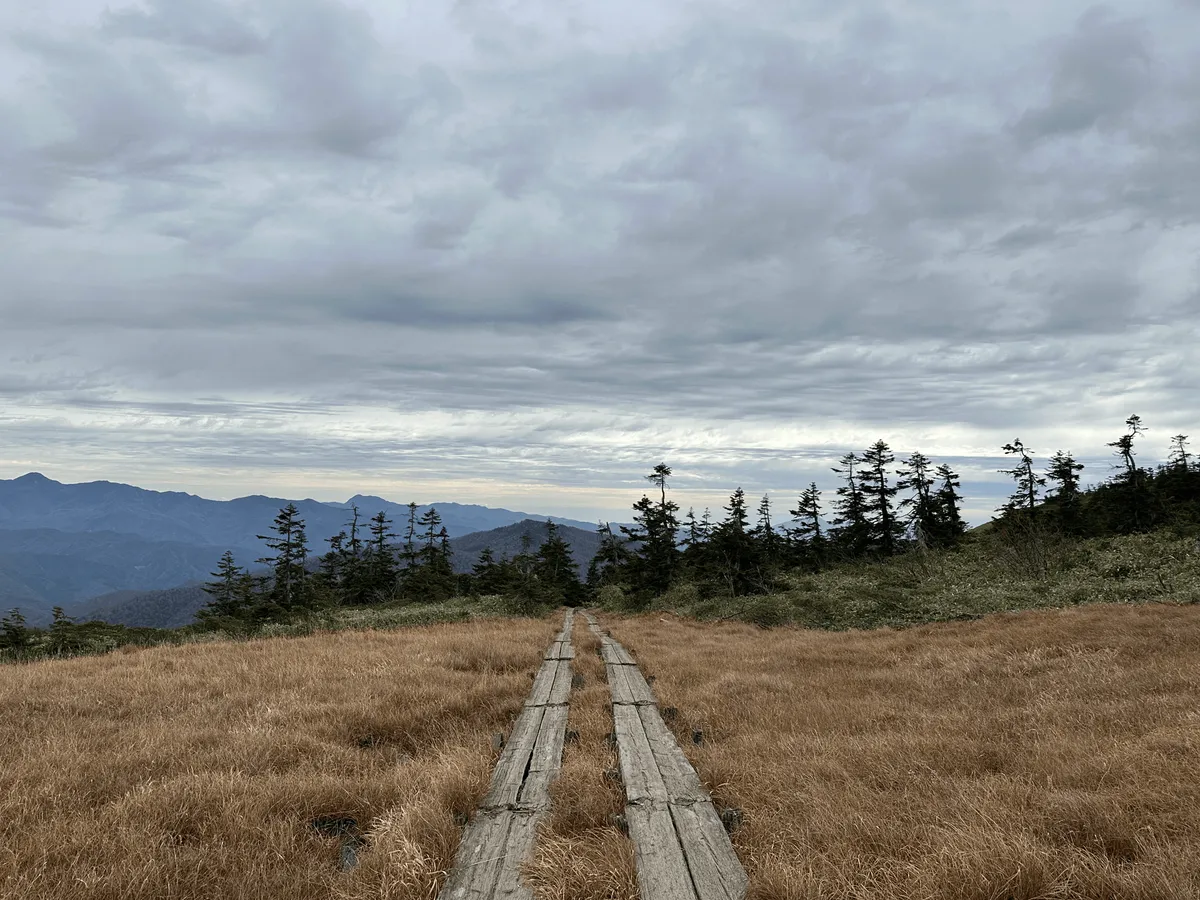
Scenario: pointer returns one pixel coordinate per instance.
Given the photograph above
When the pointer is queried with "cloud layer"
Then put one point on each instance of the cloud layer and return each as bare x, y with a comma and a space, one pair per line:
494, 251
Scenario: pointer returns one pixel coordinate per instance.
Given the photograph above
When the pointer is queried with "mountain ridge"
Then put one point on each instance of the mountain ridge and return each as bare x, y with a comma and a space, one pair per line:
150, 540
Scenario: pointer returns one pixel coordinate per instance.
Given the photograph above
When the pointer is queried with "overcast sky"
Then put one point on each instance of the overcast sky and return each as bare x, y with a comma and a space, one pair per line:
515, 252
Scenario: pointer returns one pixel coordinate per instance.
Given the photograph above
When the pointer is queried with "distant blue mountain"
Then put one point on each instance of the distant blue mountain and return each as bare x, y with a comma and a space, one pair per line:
63, 543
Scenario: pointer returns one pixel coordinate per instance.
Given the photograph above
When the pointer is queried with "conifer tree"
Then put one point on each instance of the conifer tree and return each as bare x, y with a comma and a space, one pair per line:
611, 559
1180, 458
878, 494
765, 534
654, 535
851, 529
409, 554
289, 545
1133, 507
1025, 496
14, 633
354, 587
1063, 472
229, 600
487, 575
381, 567
733, 555
64, 639
556, 570
920, 507
951, 526
807, 516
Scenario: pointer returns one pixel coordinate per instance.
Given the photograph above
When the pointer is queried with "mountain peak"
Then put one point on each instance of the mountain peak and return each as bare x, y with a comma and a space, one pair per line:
34, 478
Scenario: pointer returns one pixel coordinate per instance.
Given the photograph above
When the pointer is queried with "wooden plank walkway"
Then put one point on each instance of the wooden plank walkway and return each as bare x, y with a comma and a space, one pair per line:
682, 849
498, 840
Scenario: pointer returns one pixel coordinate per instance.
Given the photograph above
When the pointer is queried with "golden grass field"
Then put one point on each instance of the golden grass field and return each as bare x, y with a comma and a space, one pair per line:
1048, 755
195, 771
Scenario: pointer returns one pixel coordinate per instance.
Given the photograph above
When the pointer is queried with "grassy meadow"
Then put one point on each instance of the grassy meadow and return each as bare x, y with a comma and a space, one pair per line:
198, 771
1042, 755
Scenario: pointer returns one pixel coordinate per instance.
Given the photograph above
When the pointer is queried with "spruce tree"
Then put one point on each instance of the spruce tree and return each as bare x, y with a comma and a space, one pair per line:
228, 599
381, 568
851, 531
951, 526
487, 575
807, 533
920, 508
878, 493
289, 545
14, 633
556, 570
764, 533
733, 556
653, 534
1024, 498
1180, 458
609, 564
1133, 507
1065, 500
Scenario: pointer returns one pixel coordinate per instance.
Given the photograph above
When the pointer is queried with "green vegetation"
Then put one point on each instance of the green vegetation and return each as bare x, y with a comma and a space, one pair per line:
994, 572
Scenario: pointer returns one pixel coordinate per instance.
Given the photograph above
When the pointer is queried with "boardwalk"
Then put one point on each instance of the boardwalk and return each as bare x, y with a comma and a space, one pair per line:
682, 850
500, 838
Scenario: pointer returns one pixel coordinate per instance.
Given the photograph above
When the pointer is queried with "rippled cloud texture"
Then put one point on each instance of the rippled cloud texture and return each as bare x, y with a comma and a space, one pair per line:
517, 252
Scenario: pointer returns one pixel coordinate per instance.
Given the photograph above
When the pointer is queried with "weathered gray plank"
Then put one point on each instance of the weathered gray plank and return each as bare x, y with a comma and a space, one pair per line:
546, 759
681, 781
477, 863
510, 768
560, 650
614, 654
495, 845
521, 833
543, 683
707, 850
661, 868
560, 689
638, 770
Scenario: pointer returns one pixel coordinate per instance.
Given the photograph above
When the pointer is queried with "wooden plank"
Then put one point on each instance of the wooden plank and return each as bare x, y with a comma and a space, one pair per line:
560, 650
539, 694
614, 654
716, 872
638, 771
683, 851
521, 833
682, 783
560, 689
477, 863
510, 769
661, 868
546, 759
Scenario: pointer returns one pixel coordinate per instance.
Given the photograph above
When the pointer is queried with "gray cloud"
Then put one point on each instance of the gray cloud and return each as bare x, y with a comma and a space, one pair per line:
537, 247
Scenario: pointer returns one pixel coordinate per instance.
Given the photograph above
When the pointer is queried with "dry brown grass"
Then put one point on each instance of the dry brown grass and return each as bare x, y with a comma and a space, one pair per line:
195, 771
581, 853
1048, 754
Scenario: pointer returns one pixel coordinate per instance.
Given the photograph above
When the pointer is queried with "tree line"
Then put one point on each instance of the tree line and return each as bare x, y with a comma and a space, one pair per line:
880, 510
370, 564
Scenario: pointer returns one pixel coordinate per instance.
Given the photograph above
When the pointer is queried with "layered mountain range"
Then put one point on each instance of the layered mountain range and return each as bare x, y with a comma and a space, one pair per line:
67, 544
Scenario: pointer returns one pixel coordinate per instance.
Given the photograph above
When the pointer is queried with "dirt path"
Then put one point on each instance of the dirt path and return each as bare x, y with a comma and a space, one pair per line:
682, 849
